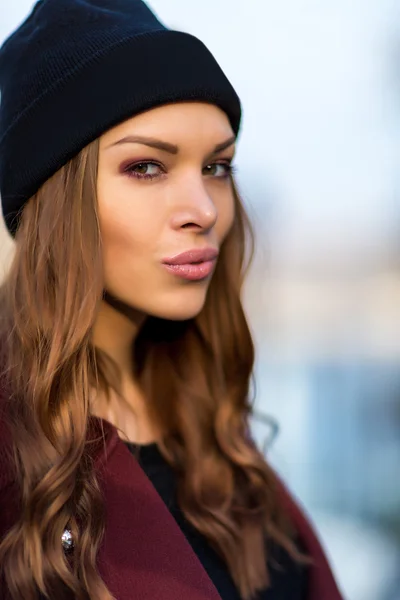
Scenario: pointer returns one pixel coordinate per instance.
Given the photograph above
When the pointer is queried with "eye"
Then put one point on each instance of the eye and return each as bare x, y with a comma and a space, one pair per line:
219, 170
144, 170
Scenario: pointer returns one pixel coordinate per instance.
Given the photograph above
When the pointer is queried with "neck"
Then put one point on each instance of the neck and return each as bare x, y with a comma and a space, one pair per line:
116, 328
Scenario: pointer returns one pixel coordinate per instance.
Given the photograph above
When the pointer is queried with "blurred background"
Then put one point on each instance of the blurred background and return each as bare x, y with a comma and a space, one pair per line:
318, 166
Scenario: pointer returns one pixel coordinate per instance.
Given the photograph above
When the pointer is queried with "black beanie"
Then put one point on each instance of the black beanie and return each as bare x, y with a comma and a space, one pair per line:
74, 69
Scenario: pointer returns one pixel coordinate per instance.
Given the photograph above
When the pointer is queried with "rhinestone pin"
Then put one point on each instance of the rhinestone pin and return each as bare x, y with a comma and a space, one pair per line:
67, 540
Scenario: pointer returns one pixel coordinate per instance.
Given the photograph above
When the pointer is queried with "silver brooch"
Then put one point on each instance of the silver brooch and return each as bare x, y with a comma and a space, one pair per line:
67, 540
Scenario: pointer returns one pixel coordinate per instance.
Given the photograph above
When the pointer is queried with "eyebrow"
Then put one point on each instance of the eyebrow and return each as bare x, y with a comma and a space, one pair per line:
166, 146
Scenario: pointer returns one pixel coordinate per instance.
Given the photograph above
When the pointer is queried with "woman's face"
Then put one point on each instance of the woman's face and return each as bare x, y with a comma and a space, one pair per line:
165, 204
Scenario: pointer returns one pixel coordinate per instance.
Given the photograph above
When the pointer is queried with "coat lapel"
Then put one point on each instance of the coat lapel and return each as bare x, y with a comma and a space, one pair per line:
144, 555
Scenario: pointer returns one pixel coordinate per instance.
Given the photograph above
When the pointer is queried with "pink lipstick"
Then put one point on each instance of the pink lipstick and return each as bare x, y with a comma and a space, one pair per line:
193, 265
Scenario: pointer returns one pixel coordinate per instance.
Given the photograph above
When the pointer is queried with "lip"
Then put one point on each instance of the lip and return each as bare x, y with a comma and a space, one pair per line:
197, 255
193, 265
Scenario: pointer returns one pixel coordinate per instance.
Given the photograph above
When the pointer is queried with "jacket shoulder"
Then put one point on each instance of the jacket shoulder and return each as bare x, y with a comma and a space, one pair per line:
322, 583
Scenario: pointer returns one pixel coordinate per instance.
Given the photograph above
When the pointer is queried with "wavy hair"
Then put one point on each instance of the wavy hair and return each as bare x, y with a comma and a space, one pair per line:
195, 375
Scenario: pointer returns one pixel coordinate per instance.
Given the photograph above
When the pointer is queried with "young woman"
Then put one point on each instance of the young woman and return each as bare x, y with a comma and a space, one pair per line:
127, 469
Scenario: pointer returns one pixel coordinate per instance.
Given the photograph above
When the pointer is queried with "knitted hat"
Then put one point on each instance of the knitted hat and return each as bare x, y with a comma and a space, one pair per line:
74, 69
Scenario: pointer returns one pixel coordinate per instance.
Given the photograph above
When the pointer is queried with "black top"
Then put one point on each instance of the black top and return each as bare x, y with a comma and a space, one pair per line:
288, 579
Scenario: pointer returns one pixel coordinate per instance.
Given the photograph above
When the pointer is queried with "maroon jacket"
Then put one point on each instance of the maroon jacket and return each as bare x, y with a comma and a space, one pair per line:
144, 555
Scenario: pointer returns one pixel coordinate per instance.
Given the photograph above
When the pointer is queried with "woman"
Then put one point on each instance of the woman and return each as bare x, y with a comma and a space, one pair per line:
126, 466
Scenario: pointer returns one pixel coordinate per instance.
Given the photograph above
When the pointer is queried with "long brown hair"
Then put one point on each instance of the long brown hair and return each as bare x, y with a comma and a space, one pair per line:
195, 375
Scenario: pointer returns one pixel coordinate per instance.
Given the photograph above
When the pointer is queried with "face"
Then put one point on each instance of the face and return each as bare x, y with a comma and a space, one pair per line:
166, 205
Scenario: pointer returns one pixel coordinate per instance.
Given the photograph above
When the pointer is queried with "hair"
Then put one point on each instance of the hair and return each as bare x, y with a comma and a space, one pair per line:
195, 375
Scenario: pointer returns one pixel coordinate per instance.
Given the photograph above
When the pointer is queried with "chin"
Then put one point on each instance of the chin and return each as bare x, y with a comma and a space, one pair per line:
177, 314
180, 308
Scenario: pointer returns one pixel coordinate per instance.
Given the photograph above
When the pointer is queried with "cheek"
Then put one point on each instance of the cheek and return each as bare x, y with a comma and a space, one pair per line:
126, 254
226, 214
126, 227
121, 231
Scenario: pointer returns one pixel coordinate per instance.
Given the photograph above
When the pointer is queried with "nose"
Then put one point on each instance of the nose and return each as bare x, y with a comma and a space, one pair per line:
194, 207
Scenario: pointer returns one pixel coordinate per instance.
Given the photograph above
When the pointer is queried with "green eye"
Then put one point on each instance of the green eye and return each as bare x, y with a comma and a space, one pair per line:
145, 170
141, 168
219, 170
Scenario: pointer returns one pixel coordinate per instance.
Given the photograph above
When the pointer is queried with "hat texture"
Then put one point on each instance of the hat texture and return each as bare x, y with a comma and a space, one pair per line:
74, 69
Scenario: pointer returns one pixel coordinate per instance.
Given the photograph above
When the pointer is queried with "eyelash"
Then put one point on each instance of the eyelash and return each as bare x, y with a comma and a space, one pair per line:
129, 170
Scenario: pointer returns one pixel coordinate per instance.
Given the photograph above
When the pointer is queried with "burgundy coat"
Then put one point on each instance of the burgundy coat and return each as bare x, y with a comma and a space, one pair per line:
144, 555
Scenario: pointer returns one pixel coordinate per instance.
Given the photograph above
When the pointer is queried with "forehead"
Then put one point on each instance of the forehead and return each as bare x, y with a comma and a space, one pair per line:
177, 123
